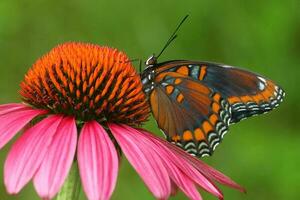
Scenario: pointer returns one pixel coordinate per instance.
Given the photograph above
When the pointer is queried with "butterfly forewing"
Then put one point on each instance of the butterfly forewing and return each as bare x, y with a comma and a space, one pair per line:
248, 93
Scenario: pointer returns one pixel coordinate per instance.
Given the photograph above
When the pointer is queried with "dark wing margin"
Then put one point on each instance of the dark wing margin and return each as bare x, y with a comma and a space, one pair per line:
190, 114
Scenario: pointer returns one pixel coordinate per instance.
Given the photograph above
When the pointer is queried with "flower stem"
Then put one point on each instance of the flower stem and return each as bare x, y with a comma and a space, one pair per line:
72, 186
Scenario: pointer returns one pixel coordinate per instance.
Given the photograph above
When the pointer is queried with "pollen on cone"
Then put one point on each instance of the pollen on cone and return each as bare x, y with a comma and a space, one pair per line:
88, 81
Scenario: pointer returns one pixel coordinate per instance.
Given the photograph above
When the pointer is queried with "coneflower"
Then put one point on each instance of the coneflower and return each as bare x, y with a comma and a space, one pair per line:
83, 104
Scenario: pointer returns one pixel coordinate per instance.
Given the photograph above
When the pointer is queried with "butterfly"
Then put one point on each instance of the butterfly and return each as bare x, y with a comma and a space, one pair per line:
194, 102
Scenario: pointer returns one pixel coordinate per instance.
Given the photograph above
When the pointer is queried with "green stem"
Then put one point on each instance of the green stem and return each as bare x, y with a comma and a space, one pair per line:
72, 186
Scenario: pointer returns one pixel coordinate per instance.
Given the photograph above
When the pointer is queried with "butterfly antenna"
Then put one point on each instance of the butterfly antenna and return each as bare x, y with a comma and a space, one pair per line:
135, 60
132, 60
173, 36
140, 66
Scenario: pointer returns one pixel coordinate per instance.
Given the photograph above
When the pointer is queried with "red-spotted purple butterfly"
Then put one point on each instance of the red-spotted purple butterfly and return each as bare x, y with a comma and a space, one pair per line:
194, 102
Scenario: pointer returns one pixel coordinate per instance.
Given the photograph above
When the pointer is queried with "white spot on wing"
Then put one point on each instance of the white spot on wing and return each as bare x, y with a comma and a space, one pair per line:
261, 86
262, 83
164, 84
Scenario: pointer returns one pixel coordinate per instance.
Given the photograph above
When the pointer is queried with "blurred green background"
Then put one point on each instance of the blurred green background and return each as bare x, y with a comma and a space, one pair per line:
261, 153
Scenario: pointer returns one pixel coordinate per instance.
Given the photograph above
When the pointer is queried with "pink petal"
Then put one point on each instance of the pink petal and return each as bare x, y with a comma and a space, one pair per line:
183, 182
28, 152
98, 161
196, 176
13, 118
5, 108
207, 170
58, 160
202, 167
189, 170
214, 174
140, 153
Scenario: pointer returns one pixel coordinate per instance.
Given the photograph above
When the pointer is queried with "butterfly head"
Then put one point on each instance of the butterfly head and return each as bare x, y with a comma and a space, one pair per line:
151, 61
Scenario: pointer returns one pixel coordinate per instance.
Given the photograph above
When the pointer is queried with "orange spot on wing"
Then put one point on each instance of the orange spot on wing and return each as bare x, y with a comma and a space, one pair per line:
178, 81
199, 135
217, 97
213, 119
176, 138
215, 107
246, 99
180, 98
202, 72
233, 100
183, 70
207, 127
258, 98
187, 135
169, 89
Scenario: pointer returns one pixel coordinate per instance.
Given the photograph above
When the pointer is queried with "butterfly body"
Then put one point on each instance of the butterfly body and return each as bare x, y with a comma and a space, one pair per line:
194, 102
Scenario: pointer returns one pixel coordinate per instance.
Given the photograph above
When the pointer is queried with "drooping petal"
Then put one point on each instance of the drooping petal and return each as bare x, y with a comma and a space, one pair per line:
196, 176
58, 160
140, 153
183, 182
98, 162
13, 118
214, 174
168, 152
28, 152
210, 172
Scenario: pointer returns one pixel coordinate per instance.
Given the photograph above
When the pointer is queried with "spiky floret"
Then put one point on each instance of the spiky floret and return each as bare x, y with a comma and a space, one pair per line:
88, 81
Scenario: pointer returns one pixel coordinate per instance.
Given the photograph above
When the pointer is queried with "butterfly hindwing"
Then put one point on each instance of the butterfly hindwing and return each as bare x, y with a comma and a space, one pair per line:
190, 114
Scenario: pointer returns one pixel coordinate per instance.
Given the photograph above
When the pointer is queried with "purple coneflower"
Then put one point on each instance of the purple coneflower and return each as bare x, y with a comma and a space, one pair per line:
83, 104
